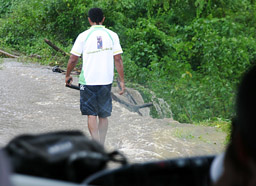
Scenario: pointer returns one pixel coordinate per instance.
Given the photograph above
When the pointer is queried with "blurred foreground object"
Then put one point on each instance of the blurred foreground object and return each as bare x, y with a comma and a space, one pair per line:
62, 155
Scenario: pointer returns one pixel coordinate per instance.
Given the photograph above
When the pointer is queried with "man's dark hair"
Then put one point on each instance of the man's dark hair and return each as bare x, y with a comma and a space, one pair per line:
96, 15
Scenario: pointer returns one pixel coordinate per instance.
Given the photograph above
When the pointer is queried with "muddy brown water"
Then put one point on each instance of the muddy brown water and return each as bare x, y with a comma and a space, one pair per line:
34, 99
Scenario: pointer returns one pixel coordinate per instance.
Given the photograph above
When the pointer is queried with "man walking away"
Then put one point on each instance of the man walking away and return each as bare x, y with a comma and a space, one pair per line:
100, 49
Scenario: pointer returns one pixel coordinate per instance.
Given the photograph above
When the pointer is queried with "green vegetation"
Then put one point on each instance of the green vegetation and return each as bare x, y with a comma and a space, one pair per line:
222, 124
191, 53
181, 134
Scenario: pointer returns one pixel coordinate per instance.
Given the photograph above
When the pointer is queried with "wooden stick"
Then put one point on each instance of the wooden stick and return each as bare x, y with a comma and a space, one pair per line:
7, 54
56, 48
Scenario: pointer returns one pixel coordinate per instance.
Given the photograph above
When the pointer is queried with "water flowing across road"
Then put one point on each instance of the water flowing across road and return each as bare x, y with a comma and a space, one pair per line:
34, 99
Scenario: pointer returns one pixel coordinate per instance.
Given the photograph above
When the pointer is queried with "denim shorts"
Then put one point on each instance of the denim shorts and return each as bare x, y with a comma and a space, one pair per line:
96, 100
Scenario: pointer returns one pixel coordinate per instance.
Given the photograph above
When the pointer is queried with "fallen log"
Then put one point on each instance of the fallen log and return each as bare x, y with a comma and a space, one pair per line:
129, 106
7, 54
56, 48
132, 104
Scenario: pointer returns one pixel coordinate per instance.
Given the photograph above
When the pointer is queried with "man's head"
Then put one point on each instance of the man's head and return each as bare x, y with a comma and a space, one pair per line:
96, 16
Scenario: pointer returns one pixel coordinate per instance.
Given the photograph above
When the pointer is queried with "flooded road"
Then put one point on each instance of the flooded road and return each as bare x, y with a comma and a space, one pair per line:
34, 99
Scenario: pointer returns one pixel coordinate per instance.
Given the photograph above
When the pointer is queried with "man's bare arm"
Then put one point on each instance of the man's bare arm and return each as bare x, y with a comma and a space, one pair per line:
120, 69
71, 65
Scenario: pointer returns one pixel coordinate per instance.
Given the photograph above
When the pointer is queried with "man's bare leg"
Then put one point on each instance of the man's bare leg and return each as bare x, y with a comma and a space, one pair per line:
93, 127
103, 127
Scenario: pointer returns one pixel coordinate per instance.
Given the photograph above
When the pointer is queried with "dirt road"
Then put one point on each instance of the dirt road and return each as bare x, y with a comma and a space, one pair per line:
34, 99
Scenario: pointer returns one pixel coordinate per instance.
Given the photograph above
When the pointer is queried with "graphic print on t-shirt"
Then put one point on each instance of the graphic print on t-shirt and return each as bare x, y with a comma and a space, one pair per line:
99, 42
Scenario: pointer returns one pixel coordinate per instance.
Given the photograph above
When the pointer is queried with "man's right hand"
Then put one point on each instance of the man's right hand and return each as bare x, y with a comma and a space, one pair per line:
69, 80
71, 64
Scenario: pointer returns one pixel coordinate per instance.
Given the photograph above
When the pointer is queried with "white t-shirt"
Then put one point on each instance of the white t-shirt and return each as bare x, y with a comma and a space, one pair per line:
98, 45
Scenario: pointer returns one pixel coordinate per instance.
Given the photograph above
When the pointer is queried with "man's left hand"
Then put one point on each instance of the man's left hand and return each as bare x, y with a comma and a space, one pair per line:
122, 88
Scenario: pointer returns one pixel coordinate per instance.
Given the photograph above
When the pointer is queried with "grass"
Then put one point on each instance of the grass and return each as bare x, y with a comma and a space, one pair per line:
180, 133
223, 125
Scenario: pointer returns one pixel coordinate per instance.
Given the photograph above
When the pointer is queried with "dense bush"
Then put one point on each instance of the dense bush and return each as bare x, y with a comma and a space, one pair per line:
190, 53
6, 6
218, 52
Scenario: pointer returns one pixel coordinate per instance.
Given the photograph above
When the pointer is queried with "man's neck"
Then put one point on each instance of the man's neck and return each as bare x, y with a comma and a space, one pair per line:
96, 24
